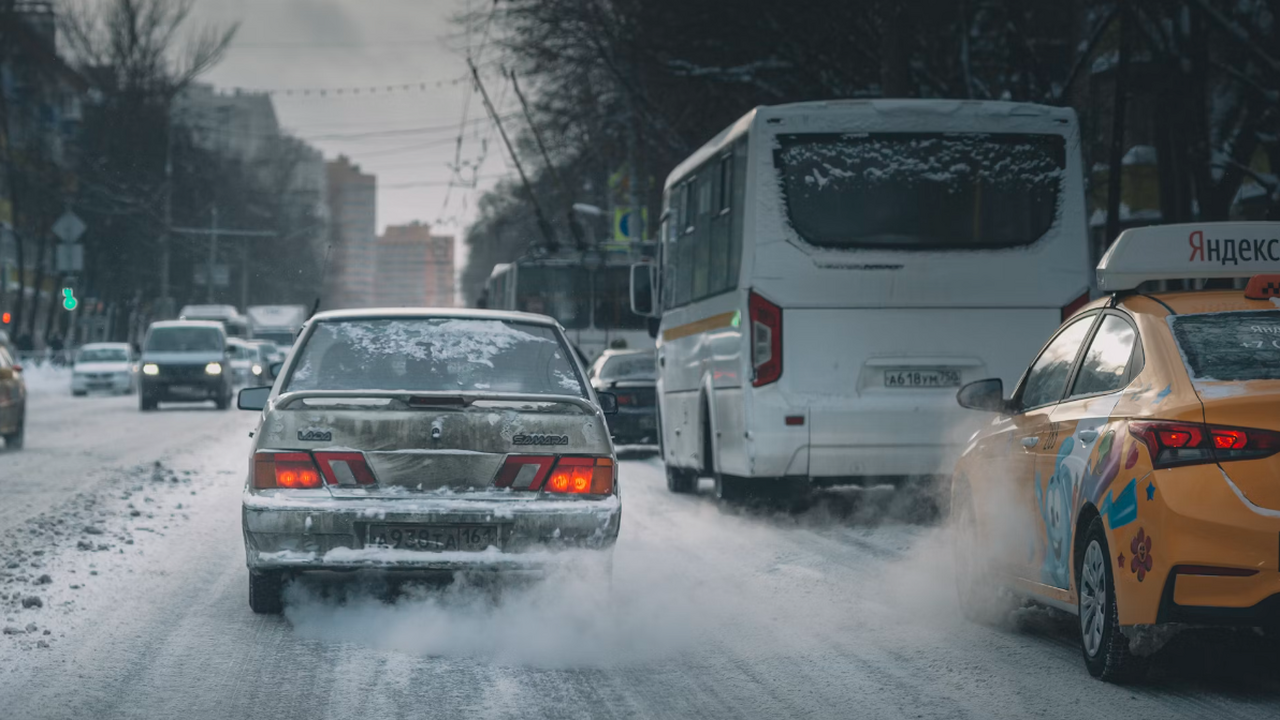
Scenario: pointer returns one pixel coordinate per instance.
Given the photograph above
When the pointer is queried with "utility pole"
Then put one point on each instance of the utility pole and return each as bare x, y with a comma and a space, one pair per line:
547, 234
213, 253
166, 303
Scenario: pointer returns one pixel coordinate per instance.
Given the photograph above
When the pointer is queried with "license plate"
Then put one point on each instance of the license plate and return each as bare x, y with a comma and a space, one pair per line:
921, 378
433, 538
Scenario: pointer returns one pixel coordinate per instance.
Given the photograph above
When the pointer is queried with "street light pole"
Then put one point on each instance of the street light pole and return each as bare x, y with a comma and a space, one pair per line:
213, 253
166, 309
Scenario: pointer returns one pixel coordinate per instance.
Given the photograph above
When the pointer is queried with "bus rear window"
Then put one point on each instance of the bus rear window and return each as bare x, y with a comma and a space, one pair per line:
1230, 346
921, 191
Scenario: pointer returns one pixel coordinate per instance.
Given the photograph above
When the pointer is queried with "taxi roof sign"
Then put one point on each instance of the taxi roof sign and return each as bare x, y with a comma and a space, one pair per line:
1193, 250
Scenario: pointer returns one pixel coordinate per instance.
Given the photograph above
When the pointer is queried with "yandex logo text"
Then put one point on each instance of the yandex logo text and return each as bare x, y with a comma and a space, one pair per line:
1232, 250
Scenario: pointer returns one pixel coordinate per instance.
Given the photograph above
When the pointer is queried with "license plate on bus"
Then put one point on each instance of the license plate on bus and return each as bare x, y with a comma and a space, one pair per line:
921, 378
433, 538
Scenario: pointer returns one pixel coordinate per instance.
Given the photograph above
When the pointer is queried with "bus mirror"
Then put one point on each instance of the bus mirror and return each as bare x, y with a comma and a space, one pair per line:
643, 282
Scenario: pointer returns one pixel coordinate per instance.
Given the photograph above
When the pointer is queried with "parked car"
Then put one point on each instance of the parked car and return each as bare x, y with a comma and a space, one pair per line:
185, 361
631, 375
104, 366
13, 401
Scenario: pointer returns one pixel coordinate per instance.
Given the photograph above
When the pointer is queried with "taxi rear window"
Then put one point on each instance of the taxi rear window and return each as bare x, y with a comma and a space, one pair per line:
1230, 346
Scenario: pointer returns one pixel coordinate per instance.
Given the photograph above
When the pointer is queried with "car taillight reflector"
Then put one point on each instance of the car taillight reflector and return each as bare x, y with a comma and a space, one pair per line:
1074, 306
582, 476
766, 340
1174, 443
524, 472
293, 471
345, 468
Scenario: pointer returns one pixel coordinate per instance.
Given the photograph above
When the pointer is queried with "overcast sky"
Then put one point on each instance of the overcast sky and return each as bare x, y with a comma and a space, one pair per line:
370, 45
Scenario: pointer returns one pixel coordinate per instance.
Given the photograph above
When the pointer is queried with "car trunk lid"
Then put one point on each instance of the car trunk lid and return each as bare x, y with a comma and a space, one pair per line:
1248, 405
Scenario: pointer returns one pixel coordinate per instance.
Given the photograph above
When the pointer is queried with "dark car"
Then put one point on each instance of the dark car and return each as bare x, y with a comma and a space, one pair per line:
630, 374
13, 401
185, 361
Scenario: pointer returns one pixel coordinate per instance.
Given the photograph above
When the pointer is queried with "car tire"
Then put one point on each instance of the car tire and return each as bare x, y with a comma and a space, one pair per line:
266, 592
977, 586
223, 401
146, 402
1105, 647
14, 441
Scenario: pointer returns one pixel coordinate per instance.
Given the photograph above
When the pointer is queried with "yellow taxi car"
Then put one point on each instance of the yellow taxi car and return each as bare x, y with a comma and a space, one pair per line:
1133, 478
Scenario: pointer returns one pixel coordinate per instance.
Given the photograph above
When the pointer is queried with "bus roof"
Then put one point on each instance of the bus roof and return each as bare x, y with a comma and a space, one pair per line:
886, 108
1193, 250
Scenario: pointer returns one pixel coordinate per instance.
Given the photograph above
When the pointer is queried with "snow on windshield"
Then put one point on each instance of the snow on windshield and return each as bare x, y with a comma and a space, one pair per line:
921, 190
434, 355
1231, 346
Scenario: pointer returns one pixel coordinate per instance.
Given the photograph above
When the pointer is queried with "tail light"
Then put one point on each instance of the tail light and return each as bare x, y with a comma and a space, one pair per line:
1172, 444
293, 471
766, 340
345, 468
1074, 306
625, 399
566, 475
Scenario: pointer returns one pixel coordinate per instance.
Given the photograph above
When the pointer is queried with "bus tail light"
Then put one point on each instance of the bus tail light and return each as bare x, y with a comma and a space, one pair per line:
1172, 444
293, 471
766, 340
1074, 306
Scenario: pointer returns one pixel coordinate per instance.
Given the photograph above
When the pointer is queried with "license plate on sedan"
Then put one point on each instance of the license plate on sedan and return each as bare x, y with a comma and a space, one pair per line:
921, 378
433, 538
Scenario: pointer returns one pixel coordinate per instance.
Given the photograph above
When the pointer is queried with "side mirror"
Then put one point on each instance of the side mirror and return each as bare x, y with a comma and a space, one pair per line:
608, 403
275, 368
644, 283
655, 324
984, 395
254, 398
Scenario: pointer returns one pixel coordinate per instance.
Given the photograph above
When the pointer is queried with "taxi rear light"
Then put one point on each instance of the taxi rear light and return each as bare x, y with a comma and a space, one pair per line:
1074, 306
293, 471
766, 340
1263, 287
582, 476
345, 468
1172, 444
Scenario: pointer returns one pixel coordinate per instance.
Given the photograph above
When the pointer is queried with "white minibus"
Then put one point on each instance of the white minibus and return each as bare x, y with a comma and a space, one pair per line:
830, 273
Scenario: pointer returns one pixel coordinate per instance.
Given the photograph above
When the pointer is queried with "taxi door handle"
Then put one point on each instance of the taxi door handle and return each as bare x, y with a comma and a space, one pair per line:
1030, 441
1088, 436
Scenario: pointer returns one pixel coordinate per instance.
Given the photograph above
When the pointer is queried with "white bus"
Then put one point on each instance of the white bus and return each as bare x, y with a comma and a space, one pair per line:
831, 272
589, 299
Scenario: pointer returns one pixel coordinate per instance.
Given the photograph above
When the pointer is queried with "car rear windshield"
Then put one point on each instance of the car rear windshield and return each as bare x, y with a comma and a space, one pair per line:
435, 355
620, 367
184, 339
1230, 346
921, 191
90, 355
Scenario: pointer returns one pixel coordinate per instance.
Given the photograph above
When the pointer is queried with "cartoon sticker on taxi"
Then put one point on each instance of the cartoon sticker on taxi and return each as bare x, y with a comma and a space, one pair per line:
1160, 509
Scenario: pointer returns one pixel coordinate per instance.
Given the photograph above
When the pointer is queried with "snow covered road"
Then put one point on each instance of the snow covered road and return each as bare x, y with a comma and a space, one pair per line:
841, 611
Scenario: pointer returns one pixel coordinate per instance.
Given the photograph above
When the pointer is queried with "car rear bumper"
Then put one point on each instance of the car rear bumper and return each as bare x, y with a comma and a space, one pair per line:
634, 426
308, 530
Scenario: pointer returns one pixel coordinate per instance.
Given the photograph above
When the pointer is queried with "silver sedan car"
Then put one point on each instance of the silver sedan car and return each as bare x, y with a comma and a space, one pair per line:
432, 440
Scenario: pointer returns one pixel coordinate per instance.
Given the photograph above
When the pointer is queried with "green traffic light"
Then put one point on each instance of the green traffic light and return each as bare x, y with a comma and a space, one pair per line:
69, 299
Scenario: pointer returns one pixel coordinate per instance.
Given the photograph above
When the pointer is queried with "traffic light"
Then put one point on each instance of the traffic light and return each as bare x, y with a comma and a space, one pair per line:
69, 299
5, 318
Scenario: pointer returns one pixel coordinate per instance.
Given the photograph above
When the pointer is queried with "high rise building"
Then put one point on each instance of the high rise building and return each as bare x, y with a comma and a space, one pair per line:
415, 268
353, 227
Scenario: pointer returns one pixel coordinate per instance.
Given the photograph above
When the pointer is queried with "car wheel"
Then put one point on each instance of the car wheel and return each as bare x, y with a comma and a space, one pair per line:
981, 598
146, 402
14, 441
681, 480
223, 401
266, 589
1105, 647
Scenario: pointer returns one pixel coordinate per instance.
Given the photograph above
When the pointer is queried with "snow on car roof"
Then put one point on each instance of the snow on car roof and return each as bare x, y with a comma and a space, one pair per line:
187, 323
462, 313
1191, 250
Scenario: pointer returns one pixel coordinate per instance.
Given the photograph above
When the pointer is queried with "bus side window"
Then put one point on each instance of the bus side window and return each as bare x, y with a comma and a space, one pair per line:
702, 234
684, 246
670, 232
737, 211
719, 280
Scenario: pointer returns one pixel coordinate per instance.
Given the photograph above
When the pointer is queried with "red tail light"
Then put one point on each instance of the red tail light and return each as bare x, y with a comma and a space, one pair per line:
524, 472
566, 475
1172, 444
626, 399
1074, 306
293, 471
345, 468
766, 340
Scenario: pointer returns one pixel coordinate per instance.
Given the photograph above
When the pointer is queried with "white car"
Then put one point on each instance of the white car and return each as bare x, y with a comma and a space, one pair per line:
249, 367
104, 366
426, 440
